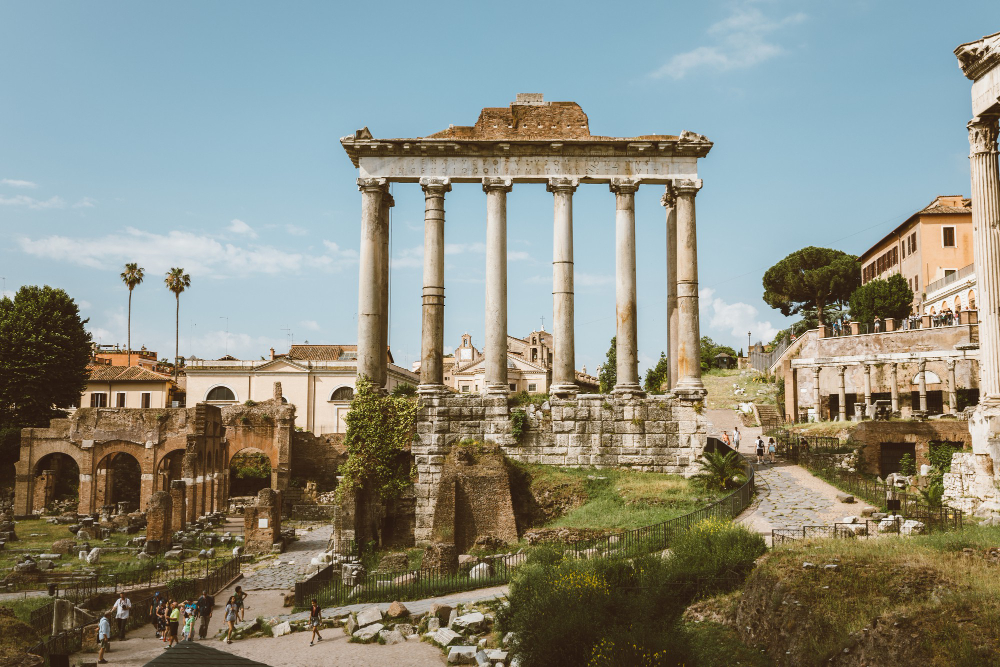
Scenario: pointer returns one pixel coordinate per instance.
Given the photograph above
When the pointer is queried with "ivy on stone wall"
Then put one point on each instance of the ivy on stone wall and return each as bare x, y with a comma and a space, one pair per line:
379, 430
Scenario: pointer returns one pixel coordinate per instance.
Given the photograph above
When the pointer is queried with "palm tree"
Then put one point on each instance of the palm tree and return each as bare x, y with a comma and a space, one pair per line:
131, 276
720, 472
177, 281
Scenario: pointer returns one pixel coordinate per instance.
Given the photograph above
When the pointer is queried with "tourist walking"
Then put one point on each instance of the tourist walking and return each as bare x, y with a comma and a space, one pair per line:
205, 604
240, 604
121, 609
103, 637
161, 620
772, 448
188, 625
315, 617
173, 620
231, 611
725, 439
154, 605
760, 450
736, 438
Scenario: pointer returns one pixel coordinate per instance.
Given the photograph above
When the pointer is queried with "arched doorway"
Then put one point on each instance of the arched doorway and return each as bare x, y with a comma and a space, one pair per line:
169, 469
249, 472
57, 478
118, 479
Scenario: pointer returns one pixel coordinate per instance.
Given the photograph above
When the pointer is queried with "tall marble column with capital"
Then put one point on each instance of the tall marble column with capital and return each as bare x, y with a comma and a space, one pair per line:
952, 391
432, 324
627, 344
689, 384
868, 384
371, 356
496, 190
816, 396
841, 394
564, 352
894, 380
386, 204
922, 386
669, 201
986, 250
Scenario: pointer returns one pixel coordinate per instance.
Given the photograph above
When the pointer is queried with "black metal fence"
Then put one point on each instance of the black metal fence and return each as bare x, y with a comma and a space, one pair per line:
332, 588
863, 529
791, 444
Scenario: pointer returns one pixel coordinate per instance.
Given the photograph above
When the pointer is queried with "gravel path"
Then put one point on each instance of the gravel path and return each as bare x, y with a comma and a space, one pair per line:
291, 566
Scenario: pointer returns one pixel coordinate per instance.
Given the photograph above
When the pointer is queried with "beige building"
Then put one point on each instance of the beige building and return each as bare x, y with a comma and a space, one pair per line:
529, 366
931, 247
318, 380
126, 387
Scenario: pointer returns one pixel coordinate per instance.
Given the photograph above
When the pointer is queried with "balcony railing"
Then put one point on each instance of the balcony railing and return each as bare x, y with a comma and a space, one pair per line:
947, 280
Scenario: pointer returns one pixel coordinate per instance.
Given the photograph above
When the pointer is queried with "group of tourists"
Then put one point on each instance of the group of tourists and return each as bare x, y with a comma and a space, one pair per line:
235, 612
174, 620
766, 452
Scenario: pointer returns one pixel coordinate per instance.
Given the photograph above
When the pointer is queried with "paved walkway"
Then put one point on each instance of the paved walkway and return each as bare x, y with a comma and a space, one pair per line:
292, 565
415, 607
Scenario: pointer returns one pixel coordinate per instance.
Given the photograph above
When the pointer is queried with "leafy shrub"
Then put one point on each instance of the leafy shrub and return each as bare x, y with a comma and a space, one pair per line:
518, 423
715, 555
907, 464
721, 471
404, 389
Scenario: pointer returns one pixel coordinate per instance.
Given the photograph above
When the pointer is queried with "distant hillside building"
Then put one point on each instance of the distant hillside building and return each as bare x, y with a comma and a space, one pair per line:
318, 380
113, 355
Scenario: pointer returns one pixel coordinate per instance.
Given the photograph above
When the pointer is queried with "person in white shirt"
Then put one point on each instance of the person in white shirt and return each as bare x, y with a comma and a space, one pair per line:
103, 637
121, 610
736, 438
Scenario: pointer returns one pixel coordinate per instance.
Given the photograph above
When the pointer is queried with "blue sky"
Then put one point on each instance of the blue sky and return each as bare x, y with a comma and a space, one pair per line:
205, 135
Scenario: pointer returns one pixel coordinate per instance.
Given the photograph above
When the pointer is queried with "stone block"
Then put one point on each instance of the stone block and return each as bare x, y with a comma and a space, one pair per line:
445, 637
368, 632
461, 655
281, 629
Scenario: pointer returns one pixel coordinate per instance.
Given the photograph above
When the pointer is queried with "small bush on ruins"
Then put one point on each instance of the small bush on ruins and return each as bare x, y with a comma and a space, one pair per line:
518, 423
715, 553
404, 389
721, 471
908, 464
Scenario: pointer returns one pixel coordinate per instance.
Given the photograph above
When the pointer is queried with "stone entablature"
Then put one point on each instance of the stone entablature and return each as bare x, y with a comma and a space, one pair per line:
654, 434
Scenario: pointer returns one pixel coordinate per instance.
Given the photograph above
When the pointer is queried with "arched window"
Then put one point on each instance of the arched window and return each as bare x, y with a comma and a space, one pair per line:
221, 393
972, 300
342, 394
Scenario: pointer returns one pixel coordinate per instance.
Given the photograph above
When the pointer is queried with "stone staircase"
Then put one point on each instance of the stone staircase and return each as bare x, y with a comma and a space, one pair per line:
766, 414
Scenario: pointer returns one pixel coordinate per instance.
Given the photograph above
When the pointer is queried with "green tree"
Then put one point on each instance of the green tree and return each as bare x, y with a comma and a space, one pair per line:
720, 472
132, 277
177, 281
656, 376
811, 278
608, 374
882, 299
379, 431
709, 348
44, 352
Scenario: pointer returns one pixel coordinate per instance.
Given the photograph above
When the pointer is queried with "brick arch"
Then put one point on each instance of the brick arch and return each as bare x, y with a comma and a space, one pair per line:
103, 485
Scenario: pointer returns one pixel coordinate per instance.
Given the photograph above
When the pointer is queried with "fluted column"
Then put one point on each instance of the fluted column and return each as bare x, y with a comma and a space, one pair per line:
432, 325
496, 190
626, 347
370, 357
868, 384
894, 380
841, 394
816, 397
564, 346
689, 383
669, 201
383, 262
922, 371
986, 250
952, 391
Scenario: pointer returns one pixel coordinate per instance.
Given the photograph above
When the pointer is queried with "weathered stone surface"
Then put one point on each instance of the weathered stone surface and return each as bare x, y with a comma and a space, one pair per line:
397, 610
444, 636
281, 629
368, 632
481, 571
462, 655
350, 625
471, 622
63, 546
441, 611
433, 624
394, 562
94, 556
911, 527
405, 629
391, 637
369, 616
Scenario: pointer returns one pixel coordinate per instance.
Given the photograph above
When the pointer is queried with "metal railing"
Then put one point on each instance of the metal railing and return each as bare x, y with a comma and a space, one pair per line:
963, 272
762, 361
419, 583
864, 529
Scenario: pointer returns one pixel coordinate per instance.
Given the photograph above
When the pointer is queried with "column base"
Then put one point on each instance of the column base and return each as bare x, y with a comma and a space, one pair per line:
497, 389
628, 389
564, 390
690, 393
432, 390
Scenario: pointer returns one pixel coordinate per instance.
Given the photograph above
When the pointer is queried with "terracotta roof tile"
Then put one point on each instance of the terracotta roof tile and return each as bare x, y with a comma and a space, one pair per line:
102, 373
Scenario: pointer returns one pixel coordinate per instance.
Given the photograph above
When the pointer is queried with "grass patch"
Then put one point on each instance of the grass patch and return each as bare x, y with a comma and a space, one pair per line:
825, 429
722, 394
716, 645
38, 535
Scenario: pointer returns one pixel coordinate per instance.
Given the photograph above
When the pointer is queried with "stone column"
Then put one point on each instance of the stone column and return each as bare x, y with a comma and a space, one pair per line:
669, 201
564, 347
432, 329
178, 498
952, 391
921, 369
371, 358
868, 384
496, 190
383, 260
841, 394
626, 346
689, 382
986, 250
816, 398
894, 379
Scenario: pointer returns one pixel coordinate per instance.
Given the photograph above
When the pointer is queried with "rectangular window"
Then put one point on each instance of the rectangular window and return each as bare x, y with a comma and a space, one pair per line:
146, 399
465, 389
119, 399
532, 387
98, 400
948, 237
913, 243
916, 283
513, 387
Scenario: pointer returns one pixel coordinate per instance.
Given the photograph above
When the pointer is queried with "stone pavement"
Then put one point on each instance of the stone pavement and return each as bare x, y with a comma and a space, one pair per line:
293, 564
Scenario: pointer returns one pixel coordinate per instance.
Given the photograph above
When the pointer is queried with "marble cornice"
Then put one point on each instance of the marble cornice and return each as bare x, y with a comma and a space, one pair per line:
978, 57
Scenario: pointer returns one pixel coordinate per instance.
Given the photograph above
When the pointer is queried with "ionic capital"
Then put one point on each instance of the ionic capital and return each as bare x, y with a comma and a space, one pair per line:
562, 185
497, 185
815, 370
687, 187
624, 186
435, 187
982, 135
841, 370
373, 184
950, 365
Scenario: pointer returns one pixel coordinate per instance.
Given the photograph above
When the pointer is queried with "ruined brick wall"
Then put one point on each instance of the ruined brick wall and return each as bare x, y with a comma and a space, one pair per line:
318, 458
267, 426
262, 522
159, 521
871, 434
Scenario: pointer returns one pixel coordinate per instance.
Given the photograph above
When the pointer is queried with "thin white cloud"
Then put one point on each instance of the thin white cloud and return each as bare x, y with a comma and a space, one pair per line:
199, 254
735, 319
463, 248
237, 226
311, 325
17, 183
86, 202
32, 203
83, 304
740, 41
295, 230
